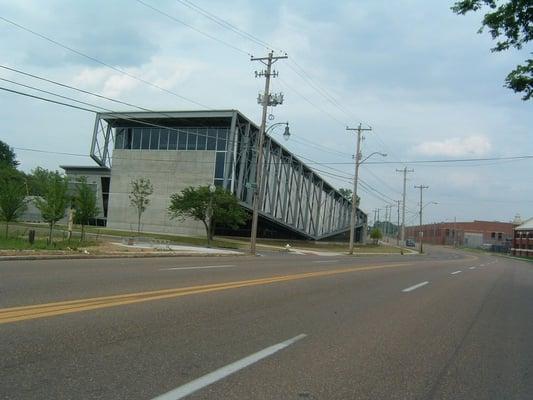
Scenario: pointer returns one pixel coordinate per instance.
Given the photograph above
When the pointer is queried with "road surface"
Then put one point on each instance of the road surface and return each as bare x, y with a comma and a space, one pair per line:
446, 325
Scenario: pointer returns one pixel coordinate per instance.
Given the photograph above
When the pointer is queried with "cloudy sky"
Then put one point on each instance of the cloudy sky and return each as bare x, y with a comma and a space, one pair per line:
421, 76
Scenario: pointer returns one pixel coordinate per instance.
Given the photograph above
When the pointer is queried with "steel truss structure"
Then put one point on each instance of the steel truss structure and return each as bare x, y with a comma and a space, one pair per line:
293, 196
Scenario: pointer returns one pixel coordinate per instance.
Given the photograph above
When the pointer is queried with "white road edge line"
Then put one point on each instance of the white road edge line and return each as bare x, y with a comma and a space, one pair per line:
221, 373
411, 288
456, 272
326, 261
203, 267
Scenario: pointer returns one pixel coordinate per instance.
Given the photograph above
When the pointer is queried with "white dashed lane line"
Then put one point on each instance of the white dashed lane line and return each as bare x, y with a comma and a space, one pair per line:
326, 261
456, 272
202, 267
418, 285
472, 268
223, 372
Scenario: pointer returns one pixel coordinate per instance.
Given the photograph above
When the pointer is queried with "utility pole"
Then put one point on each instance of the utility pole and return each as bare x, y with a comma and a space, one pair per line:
420, 234
266, 100
405, 171
387, 227
398, 225
354, 218
454, 232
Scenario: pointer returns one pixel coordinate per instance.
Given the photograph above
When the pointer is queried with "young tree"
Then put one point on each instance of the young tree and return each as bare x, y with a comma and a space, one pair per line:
195, 203
53, 202
12, 201
7, 156
85, 205
511, 23
376, 235
141, 190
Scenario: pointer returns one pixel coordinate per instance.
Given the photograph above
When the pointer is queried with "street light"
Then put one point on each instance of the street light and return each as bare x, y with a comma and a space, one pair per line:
212, 190
257, 184
353, 219
420, 233
286, 132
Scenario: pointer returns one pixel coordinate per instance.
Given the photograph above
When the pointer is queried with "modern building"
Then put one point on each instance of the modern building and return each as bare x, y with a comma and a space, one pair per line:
178, 149
469, 234
523, 239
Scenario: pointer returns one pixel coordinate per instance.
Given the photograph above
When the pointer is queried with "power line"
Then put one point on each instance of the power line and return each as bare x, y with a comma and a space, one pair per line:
18, 71
157, 10
226, 24
57, 43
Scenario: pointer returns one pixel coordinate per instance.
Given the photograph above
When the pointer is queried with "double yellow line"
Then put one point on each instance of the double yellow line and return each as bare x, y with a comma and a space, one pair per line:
15, 314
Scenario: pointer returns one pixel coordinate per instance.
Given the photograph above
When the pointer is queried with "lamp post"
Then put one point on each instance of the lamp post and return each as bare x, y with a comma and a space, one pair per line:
286, 133
355, 198
258, 195
420, 233
212, 190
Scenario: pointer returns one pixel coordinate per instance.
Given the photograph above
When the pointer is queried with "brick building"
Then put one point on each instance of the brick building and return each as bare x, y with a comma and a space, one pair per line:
523, 239
469, 234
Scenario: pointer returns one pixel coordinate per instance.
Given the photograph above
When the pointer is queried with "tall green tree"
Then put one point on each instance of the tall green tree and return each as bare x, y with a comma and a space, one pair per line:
511, 24
12, 201
7, 156
198, 202
141, 190
54, 201
37, 180
85, 205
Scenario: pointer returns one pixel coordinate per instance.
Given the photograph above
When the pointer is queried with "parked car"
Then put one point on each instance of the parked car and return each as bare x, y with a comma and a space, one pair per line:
410, 243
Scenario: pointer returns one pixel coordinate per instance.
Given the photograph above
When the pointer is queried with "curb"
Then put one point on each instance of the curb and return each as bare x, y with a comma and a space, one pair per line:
110, 256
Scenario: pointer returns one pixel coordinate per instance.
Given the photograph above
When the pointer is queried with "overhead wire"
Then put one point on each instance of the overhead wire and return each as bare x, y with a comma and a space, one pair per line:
94, 59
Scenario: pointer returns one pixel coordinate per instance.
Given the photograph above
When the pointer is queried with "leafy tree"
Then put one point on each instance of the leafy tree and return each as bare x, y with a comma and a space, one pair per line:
376, 235
194, 203
7, 156
141, 190
346, 193
511, 23
85, 204
12, 201
37, 180
53, 202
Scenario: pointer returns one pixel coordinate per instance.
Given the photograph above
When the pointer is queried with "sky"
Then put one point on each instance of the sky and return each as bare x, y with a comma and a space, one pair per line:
419, 75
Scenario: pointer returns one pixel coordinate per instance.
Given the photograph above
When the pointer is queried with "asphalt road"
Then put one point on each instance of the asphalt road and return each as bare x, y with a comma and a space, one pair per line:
447, 325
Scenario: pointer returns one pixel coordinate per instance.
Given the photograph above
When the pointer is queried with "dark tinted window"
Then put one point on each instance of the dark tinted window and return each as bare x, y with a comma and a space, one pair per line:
172, 140
191, 141
222, 138
211, 139
219, 165
128, 138
145, 143
163, 139
182, 142
119, 139
154, 140
202, 139
136, 139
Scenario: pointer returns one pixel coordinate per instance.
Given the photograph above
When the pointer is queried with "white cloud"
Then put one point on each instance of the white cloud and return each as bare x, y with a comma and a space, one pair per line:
476, 145
165, 72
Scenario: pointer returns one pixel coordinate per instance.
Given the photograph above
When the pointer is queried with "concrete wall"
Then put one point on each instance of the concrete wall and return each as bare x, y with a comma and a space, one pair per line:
169, 172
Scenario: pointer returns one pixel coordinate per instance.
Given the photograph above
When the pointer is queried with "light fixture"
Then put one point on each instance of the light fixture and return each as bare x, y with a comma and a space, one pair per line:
287, 133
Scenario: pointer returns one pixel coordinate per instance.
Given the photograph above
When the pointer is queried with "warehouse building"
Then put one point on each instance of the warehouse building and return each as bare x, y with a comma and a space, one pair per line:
472, 234
178, 149
523, 239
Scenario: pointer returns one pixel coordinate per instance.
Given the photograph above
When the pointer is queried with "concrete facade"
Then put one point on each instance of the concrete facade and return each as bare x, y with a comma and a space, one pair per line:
169, 172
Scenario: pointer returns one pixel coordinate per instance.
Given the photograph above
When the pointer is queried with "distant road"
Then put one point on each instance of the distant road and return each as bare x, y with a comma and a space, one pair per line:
446, 325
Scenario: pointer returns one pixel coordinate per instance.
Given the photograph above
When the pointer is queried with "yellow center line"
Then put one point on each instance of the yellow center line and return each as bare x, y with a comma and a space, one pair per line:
29, 312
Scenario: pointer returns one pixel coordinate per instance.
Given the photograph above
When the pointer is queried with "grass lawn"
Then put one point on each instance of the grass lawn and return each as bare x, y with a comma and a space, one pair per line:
93, 233
17, 243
